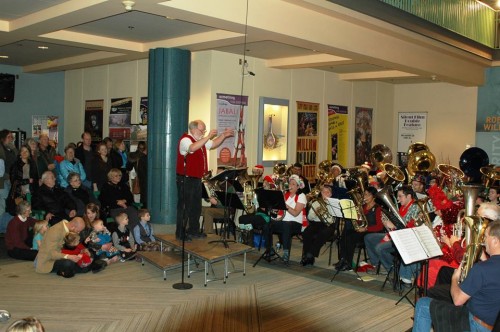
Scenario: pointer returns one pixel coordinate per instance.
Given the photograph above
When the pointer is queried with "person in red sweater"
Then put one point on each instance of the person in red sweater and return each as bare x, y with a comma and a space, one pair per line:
72, 246
18, 237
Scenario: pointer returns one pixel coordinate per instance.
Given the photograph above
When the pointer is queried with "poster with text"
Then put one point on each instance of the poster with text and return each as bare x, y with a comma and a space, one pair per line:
47, 125
338, 133
231, 113
363, 134
119, 118
412, 128
307, 138
94, 118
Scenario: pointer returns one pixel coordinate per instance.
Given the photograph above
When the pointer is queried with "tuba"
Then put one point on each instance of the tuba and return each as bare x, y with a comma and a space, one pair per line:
249, 197
476, 225
210, 186
393, 174
453, 175
470, 163
357, 198
320, 208
385, 195
420, 160
490, 173
380, 154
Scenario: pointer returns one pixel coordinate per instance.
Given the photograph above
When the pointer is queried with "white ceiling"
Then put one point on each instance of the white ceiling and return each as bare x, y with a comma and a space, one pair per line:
286, 33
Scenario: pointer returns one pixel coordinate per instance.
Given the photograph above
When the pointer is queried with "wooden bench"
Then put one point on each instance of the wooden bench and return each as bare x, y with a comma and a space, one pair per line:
162, 260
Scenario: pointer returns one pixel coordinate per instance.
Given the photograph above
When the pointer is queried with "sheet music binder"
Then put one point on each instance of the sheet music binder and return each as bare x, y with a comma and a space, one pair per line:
342, 208
416, 244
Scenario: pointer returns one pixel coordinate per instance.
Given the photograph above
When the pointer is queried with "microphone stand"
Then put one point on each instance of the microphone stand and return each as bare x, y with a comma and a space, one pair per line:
183, 285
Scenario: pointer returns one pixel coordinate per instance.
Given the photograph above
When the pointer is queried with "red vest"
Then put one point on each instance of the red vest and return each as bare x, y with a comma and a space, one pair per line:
196, 162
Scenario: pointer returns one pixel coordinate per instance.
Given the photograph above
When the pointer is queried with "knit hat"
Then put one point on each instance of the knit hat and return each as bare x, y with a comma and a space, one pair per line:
297, 179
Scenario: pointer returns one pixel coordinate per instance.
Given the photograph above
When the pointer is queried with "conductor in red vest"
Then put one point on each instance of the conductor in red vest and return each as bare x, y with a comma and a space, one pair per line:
192, 153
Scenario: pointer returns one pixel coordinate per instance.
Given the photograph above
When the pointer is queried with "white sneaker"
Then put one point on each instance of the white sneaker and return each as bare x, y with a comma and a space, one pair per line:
406, 281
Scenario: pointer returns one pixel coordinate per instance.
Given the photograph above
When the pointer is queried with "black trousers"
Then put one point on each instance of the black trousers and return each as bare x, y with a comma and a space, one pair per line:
315, 236
188, 204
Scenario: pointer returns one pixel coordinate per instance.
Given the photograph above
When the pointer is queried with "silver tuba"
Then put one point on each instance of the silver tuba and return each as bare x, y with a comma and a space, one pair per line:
385, 195
357, 198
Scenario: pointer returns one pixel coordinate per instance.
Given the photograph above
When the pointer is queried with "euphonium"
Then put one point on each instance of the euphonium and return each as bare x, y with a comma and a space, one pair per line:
425, 219
385, 195
477, 226
249, 191
357, 198
320, 208
210, 186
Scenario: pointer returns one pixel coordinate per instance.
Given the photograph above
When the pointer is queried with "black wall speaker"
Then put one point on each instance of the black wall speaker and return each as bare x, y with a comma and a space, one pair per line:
7, 86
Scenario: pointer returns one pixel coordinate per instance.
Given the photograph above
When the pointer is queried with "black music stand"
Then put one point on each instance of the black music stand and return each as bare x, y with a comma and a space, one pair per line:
270, 200
226, 200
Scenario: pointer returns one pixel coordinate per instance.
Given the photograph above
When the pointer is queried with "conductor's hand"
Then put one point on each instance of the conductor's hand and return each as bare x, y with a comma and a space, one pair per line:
212, 133
228, 132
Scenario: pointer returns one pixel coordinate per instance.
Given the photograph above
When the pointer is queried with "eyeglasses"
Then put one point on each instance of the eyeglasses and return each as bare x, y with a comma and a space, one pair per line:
202, 131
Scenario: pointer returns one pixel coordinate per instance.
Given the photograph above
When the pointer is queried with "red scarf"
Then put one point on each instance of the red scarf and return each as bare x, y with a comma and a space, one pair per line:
305, 222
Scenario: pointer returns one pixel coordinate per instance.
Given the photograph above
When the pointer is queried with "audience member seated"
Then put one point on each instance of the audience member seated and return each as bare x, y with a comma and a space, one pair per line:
19, 236
81, 195
317, 233
116, 198
52, 199
46, 155
70, 165
118, 156
144, 234
23, 179
101, 165
51, 259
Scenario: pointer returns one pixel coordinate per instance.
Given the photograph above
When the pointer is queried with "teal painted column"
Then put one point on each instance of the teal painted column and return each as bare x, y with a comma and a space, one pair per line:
168, 97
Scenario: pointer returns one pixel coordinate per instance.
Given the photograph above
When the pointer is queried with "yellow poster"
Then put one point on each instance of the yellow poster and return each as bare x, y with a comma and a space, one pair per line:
338, 134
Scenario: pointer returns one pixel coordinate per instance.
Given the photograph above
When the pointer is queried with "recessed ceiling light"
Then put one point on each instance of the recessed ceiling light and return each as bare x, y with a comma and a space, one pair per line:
43, 47
4, 56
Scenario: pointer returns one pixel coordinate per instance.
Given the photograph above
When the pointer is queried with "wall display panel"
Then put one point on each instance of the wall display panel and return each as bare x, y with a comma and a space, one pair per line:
273, 131
363, 134
232, 112
338, 134
119, 118
94, 110
47, 125
307, 138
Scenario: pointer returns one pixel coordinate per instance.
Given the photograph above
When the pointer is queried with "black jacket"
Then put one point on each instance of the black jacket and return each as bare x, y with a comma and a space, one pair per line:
110, 193
54, 200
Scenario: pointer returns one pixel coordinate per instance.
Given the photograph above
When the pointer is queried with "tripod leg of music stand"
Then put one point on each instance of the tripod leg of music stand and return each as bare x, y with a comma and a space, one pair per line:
336, 272
405, 296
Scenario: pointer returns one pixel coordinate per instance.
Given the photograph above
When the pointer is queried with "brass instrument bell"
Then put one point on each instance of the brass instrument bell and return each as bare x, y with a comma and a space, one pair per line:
422, 161
491, 173
471, 162
380, 154
393, 174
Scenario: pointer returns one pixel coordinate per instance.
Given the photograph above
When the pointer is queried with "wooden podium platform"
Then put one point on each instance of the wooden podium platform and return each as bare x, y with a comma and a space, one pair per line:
209, 253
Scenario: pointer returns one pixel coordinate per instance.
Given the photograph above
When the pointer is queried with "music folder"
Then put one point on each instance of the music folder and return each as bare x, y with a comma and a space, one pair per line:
229, 199
270, 199
416, 244
342, 208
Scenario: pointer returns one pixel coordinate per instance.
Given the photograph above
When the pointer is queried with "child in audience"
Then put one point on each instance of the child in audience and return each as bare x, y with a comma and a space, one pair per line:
122, 239
143, 233
72, 246
39, 230
101, 235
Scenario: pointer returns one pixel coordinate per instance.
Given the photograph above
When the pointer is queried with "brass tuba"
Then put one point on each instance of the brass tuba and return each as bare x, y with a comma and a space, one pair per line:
490, 173
476, 226
420, 160
357, 198
249, 187
380, 154
393, 174
453, 175
320, 208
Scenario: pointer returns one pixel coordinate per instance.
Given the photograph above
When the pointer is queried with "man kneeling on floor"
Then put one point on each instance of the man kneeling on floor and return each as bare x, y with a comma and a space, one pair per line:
51, 259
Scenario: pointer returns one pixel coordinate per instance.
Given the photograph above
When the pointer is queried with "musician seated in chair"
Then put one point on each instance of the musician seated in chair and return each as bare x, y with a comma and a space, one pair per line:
353, 234
475, 300
317, 233
380, 247
294, 217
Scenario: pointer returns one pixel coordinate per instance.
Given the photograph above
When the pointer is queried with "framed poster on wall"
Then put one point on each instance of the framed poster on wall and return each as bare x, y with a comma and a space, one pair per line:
307, 138
273, 131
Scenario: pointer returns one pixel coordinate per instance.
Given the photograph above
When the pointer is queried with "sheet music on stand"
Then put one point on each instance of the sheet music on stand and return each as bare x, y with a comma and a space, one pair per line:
342, 208
416, 244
